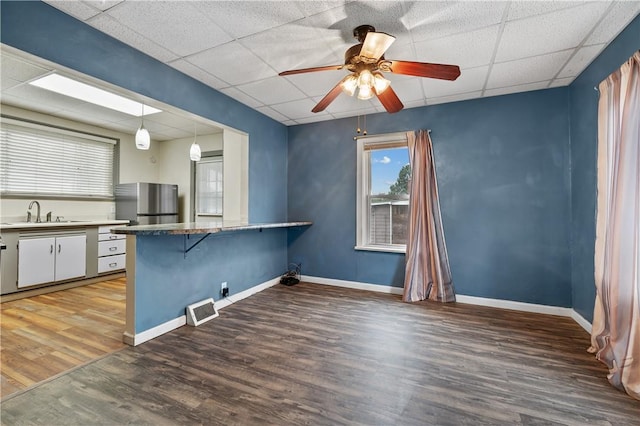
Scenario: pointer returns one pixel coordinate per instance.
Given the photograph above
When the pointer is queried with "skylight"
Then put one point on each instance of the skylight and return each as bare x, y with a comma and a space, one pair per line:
75, 89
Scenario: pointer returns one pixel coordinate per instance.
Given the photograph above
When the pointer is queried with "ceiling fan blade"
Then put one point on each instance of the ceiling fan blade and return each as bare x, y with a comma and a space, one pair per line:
390, 100
375, 44
424, 69
324, 102
314, 69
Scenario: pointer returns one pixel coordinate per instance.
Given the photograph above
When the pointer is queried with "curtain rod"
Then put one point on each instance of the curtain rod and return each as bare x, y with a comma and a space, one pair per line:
387, 135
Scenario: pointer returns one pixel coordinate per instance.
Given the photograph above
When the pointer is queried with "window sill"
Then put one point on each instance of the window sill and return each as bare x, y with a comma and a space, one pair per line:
387, 249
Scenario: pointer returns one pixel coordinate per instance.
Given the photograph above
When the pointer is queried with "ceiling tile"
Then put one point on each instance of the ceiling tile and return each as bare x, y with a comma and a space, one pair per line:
289, 123
272, 90
240, 96
178, 26
404, 52
336, 25
470, 80
355, 113
8, 83
243, 68
317, 83
242, 18
270, 112
315, 118
407, 88
415, 104
19, 70
198, 73
516, 89
310, 8
539, 68
580, 60
77, 9
525, 9
559, 82
297, 109
290, 47
431, 20
454, 98
109, 25
559, 30
103, 4
618, 17
467, 50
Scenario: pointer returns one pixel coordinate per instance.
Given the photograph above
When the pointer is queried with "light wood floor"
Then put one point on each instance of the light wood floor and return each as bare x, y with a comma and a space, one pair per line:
43, 336
312, 354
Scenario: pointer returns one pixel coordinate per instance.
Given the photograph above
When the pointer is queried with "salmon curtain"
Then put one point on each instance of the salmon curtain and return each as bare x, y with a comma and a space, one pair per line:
427, 274
615, 335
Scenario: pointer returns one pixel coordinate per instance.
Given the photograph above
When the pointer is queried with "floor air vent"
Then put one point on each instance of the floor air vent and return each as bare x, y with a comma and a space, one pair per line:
200, 312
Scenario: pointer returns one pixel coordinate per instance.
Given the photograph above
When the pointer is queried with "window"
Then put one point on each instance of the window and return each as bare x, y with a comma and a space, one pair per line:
40, 160
383, 198
209, 187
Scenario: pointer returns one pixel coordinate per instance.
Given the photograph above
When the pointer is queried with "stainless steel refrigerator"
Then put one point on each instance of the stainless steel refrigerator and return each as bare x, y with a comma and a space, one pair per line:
147, 203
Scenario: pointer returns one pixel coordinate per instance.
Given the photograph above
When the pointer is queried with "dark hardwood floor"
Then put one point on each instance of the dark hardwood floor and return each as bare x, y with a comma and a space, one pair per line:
312, 354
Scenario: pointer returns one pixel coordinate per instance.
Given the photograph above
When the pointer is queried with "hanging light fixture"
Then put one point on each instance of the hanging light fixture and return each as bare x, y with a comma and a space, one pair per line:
143, 140
367, 83
194, 152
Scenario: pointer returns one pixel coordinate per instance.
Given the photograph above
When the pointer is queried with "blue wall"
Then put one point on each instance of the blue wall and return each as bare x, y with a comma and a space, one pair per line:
584, 133
503, 175
166, 281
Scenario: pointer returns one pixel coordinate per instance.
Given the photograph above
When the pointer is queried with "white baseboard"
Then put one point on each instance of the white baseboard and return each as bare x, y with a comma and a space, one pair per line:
352, 284
223, 303
581, 321
472, 300
513, 305
154, 332
171, 325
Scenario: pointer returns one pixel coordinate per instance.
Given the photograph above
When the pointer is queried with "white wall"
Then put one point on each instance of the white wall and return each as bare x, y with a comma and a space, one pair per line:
175, 167
135, 166
236, 176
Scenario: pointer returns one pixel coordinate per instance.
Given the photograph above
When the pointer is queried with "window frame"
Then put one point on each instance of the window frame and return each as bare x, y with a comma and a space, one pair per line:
217, 155
77, 134
366, 145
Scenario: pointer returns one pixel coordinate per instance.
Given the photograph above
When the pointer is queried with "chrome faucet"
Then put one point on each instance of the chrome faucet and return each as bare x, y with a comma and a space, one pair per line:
38, 220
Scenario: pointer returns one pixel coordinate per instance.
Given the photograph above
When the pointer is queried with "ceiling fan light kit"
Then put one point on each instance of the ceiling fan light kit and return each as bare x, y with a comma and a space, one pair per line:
366, 63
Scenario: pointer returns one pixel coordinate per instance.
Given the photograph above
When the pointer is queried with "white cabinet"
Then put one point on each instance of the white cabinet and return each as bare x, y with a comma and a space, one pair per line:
48, 259
111, 250
71, 257
36, 261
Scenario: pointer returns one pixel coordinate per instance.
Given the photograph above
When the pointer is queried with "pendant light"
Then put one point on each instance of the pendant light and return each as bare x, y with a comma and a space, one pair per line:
194, 153
143, 140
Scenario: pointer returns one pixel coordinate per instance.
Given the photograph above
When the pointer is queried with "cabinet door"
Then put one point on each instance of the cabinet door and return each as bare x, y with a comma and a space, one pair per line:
36, 259
71, 257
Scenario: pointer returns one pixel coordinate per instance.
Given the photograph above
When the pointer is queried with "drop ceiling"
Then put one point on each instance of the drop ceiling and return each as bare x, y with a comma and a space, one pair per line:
239, 47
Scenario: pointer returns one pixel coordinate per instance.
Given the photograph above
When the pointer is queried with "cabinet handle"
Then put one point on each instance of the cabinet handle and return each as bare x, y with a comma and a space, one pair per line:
113, 237
113, 248
51, 249
112, 265
59, 247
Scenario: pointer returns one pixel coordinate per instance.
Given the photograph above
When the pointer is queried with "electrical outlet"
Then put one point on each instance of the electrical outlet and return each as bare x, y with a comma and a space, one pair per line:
224, 290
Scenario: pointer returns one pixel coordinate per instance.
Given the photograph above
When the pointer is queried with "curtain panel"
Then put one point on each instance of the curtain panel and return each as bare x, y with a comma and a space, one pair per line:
427, 274
615, 335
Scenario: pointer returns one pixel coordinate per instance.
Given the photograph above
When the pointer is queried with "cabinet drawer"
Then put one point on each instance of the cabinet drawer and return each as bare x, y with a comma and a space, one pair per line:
111, 237
108, 248
111, 263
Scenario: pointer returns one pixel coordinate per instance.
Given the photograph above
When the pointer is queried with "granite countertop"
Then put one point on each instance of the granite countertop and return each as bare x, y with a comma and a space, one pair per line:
62, 224
202, 227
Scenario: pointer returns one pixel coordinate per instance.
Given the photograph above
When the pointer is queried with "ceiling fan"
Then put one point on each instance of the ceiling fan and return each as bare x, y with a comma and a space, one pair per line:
366, 62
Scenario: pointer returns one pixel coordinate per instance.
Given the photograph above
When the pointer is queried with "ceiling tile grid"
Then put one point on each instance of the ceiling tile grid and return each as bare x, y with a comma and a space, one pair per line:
240, 47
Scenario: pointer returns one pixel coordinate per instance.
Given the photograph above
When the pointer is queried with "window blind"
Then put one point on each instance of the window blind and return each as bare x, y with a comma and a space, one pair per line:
209, 187
40, 160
